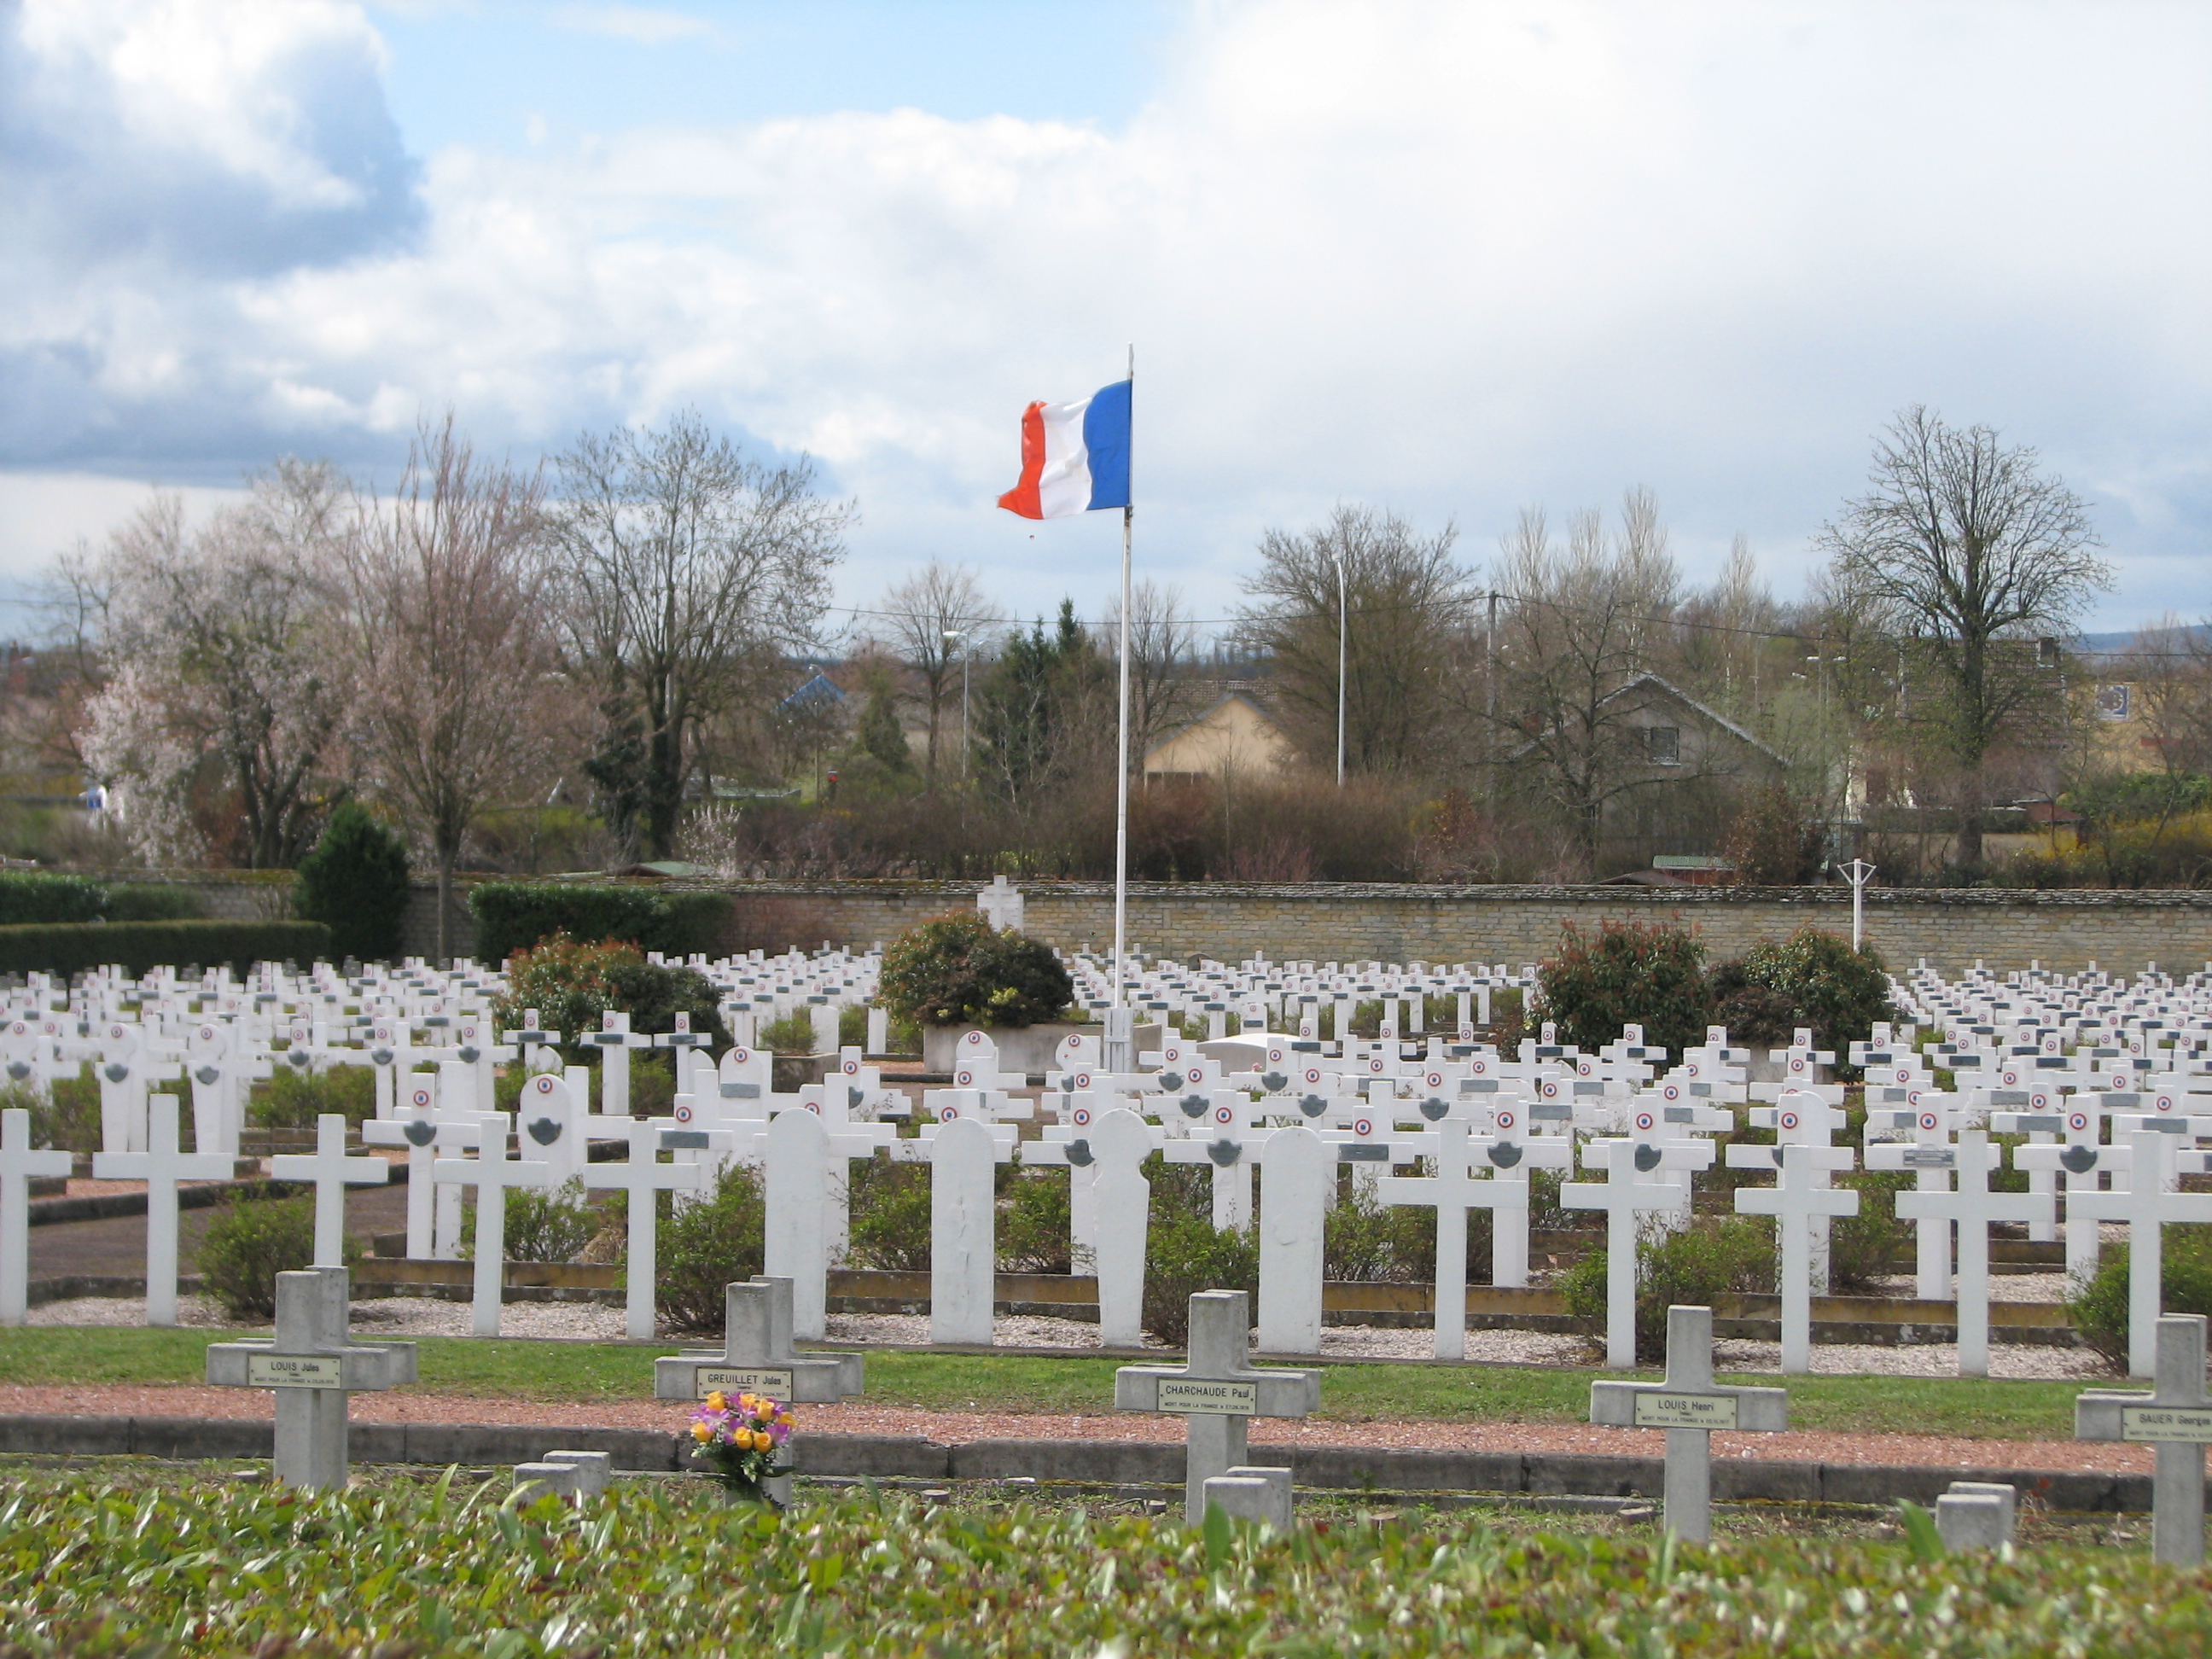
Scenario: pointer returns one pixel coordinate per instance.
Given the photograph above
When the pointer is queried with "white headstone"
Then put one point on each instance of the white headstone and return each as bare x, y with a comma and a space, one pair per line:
1296, 1171
332, 1172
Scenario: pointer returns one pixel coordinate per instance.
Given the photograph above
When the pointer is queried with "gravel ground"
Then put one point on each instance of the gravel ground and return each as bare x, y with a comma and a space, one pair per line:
589, 1321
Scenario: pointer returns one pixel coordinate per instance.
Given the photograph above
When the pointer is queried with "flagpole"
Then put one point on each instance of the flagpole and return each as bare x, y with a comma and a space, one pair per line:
1127, 1059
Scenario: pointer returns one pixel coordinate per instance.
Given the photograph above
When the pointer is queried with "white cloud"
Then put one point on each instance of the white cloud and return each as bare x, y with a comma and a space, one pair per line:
1451, 257
646, 26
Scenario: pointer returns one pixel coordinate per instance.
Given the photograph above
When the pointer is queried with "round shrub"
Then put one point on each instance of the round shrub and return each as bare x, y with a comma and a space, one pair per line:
572, 985
248, 1244
1837, 991
960, 970
706, 1246
354, 883
2097, 1306
1627, 974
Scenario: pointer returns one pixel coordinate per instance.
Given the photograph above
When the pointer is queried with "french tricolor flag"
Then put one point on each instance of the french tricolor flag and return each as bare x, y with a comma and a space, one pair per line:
1075, 457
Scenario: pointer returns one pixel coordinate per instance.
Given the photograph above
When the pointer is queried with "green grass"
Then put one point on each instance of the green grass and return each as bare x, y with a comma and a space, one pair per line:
591, 1371
432, 1568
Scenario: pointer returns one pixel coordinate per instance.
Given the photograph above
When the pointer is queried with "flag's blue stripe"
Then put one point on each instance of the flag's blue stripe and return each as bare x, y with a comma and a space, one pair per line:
1106, 436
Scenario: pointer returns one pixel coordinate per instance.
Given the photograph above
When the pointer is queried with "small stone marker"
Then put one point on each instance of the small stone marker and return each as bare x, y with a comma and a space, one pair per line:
18, 1163
535, 1480
1249, 1492
1976, 1515
312, 1366
2175, 1418
757, 1356
594, 1469
1215, 1391
1689, 1406
332, 1172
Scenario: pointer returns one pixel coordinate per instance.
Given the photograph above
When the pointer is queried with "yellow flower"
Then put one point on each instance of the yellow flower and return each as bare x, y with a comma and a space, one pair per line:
699, 1432
716, 1402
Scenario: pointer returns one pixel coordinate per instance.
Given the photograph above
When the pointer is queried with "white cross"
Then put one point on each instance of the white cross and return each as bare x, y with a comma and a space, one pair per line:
1215, 1391
1973, 1206
1797, 1202
332, 1172
421, 1132
1689, 1406
492, 1173
18, 1163
1622, 1196
160, 1166
644, 1176
2147, 1207
1453, 1190
1224, 1138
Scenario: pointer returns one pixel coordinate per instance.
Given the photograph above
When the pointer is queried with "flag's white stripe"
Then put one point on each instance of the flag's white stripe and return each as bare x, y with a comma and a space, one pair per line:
1063, 487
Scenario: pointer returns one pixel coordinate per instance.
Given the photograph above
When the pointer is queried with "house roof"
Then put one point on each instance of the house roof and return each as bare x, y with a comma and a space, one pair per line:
1687, 702
1208, 714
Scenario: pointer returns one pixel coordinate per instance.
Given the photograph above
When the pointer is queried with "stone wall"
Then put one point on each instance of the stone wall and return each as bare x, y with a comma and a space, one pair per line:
1324, 921
1320, 921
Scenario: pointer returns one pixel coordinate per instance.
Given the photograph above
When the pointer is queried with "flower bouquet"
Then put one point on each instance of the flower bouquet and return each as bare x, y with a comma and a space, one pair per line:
740, 1440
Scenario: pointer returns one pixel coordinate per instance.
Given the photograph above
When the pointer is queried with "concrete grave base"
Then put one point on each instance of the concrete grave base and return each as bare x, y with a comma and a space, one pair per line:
1092, 1462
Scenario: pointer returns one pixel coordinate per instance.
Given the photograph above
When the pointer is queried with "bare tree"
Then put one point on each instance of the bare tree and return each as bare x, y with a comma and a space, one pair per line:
451, 642
1971, 546
1404, 601
1164, 688
690, 572
218, 647
1581, 624
934, 619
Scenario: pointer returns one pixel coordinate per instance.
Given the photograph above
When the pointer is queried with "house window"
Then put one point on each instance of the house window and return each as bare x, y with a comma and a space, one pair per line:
2114, 702
1663, 745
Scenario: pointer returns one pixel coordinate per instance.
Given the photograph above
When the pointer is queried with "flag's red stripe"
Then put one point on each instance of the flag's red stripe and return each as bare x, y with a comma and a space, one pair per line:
1023, 497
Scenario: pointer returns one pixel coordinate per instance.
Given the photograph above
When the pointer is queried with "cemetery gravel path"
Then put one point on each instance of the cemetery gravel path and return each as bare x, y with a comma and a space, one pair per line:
121, 1400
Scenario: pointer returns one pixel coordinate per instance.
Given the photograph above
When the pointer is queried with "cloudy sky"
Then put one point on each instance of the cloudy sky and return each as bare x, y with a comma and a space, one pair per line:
1448, 258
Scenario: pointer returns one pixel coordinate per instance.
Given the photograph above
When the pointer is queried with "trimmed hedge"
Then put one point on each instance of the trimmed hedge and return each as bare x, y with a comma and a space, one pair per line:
517, 915
72, 948
34, 895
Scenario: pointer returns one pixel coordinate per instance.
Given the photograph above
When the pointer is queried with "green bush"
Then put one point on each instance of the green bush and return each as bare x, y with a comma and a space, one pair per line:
1035, 1222
65, 948
1184, 1254
515, 915
551, 1225
294, 1100
707, 1245
890, 1209
1366, 1242
1626, 974
572, 985
1713, 1257
354, 882
251, 1241
148, 901
959, 970
1866, 1247
1837, 991
33, 895
788, 1034
2097, 1306
68, 1121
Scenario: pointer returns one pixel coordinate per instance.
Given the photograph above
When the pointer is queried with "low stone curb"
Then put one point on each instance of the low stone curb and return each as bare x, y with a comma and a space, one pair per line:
1101, 1462
109, 1206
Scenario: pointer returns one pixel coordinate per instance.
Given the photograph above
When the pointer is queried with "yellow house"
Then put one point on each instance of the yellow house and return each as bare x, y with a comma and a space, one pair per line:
1234, 737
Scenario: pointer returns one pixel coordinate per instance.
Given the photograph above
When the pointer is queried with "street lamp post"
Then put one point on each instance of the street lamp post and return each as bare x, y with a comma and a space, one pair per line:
1343, 653
956, 636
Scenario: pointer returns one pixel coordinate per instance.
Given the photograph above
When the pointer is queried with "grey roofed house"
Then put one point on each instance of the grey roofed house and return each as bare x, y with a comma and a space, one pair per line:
1676, 767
